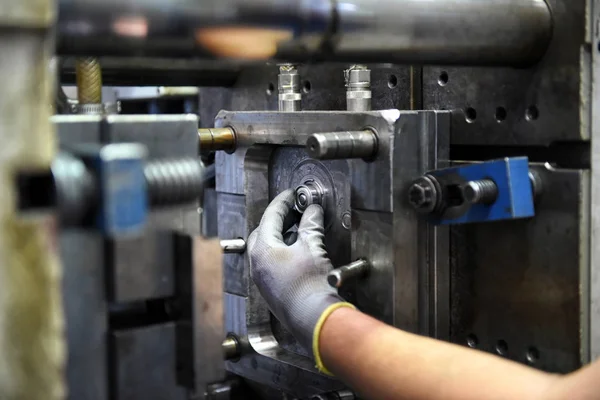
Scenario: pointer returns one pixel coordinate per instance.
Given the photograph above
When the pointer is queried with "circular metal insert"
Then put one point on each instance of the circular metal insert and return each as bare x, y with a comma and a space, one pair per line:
308, 193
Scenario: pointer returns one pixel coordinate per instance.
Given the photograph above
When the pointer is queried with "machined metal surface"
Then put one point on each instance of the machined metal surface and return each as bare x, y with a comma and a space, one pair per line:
341, 145
268, 170
499, 32
520, 286
127, 272
510, 107
200, 332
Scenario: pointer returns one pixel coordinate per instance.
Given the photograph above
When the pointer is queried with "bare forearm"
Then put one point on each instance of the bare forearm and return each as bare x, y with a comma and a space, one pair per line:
385, 363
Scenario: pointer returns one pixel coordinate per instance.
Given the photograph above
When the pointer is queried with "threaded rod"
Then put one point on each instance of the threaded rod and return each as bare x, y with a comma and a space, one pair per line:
172, 182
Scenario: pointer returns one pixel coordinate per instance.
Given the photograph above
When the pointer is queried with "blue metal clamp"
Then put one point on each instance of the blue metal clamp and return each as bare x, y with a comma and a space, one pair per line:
513, 198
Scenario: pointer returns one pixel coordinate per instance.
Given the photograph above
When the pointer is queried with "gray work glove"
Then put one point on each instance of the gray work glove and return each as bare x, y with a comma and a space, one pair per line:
293, 279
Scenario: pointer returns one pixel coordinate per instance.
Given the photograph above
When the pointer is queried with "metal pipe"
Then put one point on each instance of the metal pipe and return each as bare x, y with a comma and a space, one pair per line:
213, 139
342, 145
466, 32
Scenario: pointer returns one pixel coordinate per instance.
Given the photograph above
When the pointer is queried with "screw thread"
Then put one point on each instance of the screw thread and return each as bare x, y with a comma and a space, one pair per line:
172, 182
482, 191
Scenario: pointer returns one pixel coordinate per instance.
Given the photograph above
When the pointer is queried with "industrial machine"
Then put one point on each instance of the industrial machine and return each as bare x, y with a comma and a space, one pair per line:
453, 145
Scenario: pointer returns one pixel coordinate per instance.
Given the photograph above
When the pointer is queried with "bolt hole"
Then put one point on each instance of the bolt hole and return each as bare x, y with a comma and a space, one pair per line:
470, 115
500, 114
443, 79
472, 341
393, 81
532, 113
502, 348
306, 87
532, 355
270, 89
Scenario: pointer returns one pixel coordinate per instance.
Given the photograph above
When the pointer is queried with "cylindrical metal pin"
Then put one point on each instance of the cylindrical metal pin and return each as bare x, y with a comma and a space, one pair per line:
342, 145
339, 276
213, 139
233, 246
231, 348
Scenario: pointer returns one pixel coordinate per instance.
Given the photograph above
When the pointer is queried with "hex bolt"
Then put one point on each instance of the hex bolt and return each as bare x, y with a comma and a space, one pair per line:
289, 88
483, 191
423, 194
214, 139
172, 182
339, 276
358, 88
342, 145
233, 246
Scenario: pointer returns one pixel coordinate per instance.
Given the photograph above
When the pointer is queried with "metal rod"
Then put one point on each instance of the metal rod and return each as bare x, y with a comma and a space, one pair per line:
342, 145
231, 348
233, 246
339, 276
466, 32
213, 139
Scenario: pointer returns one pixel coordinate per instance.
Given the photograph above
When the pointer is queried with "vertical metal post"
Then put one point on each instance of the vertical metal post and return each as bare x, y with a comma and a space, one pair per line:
32, 344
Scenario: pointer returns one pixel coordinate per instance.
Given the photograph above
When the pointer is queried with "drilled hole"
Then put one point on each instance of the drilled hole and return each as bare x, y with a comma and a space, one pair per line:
532, 355
500, 114
306, 87
502, 348
270, 89
472, 341
443, 79
532, 113
393, 81
470, 115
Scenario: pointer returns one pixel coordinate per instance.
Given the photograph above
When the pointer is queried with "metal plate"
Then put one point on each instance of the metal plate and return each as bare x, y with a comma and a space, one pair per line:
516, 286
231, 215
84, 301
271, 156
550, 91
144, 364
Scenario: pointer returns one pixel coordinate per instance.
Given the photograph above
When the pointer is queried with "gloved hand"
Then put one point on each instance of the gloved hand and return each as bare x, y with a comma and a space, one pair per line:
293, 279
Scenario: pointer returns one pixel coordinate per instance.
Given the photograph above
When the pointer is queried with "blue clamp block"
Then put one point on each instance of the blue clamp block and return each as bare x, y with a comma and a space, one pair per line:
123, 195
515, 197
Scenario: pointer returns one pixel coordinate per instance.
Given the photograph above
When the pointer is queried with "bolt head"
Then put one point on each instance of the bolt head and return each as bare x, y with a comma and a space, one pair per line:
422, 195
